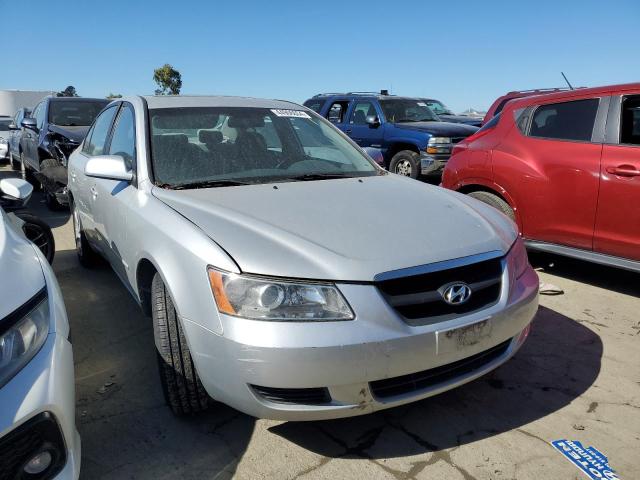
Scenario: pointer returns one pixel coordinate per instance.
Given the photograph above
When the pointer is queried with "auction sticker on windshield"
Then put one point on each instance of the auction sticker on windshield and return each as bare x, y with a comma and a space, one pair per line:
290, 113
588, 459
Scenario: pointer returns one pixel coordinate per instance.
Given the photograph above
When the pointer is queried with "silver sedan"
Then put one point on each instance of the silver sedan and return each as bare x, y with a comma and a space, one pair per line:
287, 274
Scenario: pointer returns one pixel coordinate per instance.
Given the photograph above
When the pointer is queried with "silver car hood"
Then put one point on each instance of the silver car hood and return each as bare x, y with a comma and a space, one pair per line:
22, 275
343, 229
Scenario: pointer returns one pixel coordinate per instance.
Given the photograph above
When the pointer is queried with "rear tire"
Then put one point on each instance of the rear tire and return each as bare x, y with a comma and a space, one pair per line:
496, 202
14, 165
405, 163
87, 256
181, 385
38, 233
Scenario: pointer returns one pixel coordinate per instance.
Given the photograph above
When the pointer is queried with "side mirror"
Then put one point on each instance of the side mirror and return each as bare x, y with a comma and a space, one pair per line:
110, 167
13, 126
30, 123
16, 189
373, 121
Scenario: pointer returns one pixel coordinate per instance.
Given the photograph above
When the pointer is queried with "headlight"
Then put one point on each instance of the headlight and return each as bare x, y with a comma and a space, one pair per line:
22, 339
439, 140
438, 145
518, 261
278, 300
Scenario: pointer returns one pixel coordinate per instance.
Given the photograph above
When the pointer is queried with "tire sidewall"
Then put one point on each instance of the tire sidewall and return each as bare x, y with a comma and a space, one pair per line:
411, 157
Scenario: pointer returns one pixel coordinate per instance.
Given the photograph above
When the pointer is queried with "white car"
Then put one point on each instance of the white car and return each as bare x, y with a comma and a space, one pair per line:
38, 436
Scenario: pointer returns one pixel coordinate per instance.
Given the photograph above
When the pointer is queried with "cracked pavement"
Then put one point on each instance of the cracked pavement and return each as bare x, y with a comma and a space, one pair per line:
576, 378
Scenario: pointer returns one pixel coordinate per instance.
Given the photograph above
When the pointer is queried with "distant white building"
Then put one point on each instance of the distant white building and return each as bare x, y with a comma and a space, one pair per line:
12, 100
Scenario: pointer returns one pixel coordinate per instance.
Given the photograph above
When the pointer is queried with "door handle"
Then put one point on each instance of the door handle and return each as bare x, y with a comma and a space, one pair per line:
624, 171
348, 131
94, 192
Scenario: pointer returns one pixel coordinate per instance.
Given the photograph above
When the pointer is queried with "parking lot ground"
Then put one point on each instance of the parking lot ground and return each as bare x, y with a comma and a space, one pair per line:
576, 378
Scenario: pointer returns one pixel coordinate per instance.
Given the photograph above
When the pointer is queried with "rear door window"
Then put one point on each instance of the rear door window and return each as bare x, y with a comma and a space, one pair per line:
630, 121
361, 111
337, 112
565, 121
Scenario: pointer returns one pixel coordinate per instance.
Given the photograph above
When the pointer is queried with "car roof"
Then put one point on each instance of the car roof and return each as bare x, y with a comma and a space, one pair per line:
569, 94
77, 99
178, 101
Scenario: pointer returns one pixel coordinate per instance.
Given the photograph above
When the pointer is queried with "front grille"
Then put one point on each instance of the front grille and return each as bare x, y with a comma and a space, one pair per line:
457, 139
300, 396
20, 445
417, 300
414, 382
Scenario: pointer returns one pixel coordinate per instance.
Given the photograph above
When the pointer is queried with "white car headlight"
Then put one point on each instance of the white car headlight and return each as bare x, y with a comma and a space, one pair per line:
517, 258
277, 299
439, 140
22, 334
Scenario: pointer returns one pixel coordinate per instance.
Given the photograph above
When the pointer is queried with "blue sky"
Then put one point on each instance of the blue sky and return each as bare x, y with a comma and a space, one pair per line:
465, 53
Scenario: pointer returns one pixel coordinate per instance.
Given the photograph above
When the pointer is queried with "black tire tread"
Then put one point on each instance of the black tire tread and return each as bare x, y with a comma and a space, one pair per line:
181, 385
89, 258
414, 158
495, 201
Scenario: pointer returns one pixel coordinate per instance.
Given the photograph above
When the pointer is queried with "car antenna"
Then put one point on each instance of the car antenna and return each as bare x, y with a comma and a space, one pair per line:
565, 79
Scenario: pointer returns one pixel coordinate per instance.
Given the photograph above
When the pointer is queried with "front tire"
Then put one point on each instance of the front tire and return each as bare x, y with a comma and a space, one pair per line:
405, 163
39, 233
87, 256
496, 202
181, 385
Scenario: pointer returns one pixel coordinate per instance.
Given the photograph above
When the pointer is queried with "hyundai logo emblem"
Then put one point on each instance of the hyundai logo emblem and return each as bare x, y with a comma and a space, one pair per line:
455, 293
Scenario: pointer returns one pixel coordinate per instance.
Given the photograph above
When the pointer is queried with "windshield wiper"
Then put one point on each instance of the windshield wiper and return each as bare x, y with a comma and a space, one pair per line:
318, 176
206, 184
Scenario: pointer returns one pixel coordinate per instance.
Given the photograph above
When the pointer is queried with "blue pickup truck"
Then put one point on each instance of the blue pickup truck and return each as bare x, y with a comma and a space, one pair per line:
412, 139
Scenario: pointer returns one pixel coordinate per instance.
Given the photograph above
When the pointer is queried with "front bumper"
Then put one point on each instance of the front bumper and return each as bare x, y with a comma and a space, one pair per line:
43, 388
432, 164
346, 357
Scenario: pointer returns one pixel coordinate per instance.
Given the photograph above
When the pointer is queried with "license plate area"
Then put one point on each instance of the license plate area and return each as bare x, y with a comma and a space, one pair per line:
464, 338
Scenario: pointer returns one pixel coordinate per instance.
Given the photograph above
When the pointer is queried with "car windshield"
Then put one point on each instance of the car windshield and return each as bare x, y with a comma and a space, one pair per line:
71, 114
198, 147
438, 108
4, 124
407, 110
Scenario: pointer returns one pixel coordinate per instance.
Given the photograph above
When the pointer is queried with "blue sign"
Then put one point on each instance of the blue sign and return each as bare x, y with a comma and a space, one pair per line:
588, 459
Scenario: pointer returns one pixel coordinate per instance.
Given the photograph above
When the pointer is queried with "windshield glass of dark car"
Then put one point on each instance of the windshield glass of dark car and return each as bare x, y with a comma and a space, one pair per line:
4, 124
438, 108
194, 146
407, 110
68, 113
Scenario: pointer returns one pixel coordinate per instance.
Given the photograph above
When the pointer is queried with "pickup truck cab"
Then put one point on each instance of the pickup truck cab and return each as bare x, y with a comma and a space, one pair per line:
412, 139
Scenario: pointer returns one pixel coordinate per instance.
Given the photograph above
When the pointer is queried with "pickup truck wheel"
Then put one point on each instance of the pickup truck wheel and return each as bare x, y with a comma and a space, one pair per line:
406, 163
181, 385
87, 256
496, 202
49, 199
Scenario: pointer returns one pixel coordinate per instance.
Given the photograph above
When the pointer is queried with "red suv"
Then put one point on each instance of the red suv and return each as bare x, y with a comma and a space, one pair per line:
566, 167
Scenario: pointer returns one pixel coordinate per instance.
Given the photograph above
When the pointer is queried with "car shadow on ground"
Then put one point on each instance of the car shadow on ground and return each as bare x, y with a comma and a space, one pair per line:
126, 428
609, 278
560, 360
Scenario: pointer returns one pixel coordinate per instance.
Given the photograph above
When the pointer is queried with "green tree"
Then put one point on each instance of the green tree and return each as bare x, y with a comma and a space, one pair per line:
168, 79
111, 96
70, 91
